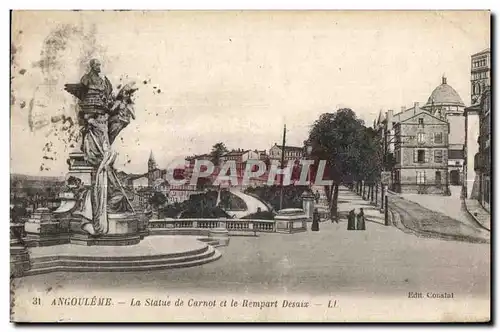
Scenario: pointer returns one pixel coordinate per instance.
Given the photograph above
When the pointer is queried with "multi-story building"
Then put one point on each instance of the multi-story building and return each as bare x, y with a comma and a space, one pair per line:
445, 104
478, 130
421, 155
291, 152
484, 158
480, 75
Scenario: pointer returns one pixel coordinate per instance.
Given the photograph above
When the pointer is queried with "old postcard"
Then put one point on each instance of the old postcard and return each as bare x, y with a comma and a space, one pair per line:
250, 166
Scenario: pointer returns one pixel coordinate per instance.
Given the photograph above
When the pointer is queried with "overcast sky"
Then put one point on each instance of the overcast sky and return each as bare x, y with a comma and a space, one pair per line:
234, 77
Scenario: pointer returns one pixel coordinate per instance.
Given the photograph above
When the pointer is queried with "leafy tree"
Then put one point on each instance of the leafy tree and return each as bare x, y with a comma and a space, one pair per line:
157, 199
349, 149
203, 183
218, 150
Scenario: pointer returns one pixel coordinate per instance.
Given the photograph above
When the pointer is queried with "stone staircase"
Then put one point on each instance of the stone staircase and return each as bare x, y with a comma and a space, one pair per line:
71, 263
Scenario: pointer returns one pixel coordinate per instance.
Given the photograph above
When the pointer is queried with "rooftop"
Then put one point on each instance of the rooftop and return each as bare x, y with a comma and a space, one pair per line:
444, 95
486, 50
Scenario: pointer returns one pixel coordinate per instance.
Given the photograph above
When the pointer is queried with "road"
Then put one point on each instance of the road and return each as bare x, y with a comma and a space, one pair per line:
421, 220
447, 205
252, 204
380, 261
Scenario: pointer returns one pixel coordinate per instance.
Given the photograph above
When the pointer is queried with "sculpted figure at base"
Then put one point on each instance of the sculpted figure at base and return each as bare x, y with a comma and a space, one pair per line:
102, 117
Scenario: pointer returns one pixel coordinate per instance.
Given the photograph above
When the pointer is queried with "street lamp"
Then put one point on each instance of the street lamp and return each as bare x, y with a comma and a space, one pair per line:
309, 148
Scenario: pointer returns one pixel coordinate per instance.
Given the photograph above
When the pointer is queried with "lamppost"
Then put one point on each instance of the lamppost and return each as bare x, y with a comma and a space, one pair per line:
308, 149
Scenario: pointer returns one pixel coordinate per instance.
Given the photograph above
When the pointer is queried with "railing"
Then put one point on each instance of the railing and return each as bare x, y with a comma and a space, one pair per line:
232, 225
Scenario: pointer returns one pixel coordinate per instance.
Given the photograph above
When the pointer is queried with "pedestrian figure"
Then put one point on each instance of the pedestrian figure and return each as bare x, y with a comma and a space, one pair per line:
315, 221
361, 220
351, 221
317, 196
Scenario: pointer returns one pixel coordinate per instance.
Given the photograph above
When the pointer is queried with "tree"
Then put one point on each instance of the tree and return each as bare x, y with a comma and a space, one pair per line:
157, 199
203, 183
370, 162
218, 150
341, 139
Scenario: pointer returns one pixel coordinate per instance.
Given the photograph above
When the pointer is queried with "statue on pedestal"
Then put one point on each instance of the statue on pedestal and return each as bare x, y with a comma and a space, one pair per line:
102, 116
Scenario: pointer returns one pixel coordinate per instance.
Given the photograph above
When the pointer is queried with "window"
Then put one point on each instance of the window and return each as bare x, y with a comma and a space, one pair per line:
419, 156
420, 177
421, 138
438, 178
438, 138
438, 156
420, 122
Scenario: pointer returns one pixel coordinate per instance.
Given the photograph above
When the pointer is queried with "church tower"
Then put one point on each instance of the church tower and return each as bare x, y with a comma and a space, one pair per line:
152, 167
480, 75
152, 162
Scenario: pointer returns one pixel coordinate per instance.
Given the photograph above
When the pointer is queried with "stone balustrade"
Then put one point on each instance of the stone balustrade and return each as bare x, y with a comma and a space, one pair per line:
232, 225
287, 223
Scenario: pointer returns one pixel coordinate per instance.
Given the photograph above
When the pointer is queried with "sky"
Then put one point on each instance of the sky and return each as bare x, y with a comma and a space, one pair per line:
232, 77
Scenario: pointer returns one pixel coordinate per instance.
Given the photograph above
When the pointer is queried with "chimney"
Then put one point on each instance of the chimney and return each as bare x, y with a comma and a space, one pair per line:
444, 79
416, 108
403, 108
388, 117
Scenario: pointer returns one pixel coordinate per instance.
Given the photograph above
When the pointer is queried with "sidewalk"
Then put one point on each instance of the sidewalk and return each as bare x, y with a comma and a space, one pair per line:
475, 209
322, 204
349, 200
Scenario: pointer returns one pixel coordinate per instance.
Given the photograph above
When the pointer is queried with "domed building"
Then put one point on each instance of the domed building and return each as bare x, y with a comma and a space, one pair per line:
445, 103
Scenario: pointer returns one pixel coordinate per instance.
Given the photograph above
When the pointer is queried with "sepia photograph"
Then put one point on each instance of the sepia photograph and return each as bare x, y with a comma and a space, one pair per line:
250, 166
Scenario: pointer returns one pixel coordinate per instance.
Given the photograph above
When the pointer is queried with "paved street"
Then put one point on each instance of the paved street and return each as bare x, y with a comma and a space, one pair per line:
417, 218
380, 260
252, 203
447, 205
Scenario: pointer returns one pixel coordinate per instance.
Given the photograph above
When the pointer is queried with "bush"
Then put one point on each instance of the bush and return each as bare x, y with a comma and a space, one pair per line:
263, 215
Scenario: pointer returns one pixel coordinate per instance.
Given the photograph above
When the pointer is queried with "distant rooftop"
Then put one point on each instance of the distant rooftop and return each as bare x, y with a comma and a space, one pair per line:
486, 50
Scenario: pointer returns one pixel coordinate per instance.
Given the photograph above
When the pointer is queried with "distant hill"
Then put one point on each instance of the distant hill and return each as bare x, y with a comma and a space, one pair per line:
20, 181
24, 177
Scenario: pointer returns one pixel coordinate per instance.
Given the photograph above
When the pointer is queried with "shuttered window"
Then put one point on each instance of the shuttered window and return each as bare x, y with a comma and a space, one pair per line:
438, 138
438, 156
420, 177
419, 156
421, 138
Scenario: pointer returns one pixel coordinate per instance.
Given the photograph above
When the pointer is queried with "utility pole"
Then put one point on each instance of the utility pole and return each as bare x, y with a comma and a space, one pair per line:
282, 164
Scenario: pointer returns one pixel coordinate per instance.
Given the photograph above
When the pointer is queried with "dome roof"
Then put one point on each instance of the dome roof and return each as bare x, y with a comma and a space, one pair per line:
444, 95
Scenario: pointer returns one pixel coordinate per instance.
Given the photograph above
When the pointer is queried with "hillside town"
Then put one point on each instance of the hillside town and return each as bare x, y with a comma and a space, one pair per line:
330, 160
436, 147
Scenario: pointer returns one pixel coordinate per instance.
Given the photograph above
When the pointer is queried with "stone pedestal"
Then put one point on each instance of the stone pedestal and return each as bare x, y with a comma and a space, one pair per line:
308, 204
123, 230
79, 168
19, 260
221, 235
291, 221
19, 257
43, 230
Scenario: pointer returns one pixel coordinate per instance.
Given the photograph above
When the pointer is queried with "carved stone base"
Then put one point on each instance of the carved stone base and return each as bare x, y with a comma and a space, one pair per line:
43, 230
221, 235
19, 260
44, 240
105, 240
122, 231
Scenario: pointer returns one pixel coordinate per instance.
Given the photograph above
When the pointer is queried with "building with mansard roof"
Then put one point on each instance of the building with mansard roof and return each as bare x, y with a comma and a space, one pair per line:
443, 103
421, 155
